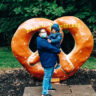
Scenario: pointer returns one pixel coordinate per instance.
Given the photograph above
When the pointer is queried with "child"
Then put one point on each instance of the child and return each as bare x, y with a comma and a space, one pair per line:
55, 38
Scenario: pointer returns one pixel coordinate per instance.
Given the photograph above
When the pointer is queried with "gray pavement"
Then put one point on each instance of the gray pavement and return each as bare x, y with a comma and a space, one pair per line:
62, 90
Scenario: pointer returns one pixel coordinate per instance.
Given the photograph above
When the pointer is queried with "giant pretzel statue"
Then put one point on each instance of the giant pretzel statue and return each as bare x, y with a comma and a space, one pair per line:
70, 63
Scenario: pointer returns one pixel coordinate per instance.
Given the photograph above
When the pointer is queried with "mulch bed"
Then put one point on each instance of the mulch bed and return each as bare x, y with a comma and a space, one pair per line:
13, 81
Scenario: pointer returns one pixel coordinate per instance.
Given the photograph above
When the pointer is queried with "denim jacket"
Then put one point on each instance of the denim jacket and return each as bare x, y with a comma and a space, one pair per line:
47, 52
55, 39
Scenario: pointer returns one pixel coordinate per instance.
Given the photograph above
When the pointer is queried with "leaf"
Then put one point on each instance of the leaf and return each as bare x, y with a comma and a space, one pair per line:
17, 10
82, 15
92, 19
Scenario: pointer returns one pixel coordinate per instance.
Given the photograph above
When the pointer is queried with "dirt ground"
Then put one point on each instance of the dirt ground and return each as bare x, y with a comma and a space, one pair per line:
13, 81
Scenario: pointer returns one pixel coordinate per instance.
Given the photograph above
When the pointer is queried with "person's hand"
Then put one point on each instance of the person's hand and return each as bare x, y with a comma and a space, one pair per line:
49, 40
60, 52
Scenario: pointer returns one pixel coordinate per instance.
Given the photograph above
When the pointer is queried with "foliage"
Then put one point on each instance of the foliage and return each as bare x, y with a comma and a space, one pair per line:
7, 60
14, 12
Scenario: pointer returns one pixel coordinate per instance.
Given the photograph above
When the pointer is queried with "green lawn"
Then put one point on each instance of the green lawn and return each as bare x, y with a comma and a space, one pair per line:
7, 60
90, 63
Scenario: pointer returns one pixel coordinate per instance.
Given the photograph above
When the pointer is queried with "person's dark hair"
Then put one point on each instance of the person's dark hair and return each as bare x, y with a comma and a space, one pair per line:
39, 31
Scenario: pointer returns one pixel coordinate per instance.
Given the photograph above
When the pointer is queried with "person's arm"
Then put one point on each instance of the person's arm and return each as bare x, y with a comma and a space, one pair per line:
58, 39
44, 45
49, 37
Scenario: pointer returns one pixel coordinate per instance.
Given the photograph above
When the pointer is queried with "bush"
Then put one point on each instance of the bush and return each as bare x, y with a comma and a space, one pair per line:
14, 12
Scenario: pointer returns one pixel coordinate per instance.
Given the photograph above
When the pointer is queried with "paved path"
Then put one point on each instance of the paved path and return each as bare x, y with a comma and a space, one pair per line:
62, 90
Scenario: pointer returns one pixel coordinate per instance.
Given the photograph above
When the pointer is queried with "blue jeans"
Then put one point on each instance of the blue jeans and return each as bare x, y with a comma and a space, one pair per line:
48, 72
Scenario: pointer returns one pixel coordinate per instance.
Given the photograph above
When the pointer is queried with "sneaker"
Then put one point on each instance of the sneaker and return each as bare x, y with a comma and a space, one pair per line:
53, 89
46, 95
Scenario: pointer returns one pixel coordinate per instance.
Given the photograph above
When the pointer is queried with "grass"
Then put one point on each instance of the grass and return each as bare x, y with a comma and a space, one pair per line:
7, 60
90, 63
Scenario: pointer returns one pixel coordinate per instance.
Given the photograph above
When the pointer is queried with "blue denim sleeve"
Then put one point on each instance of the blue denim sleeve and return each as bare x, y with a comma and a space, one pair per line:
57, 40
43, 44
49, 37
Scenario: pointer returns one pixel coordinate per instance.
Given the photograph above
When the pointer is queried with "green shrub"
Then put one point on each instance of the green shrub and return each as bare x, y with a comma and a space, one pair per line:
14, 12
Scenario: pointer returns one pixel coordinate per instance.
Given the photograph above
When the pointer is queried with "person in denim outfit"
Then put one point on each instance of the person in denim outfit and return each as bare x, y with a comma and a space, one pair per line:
55, 39
48, 57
